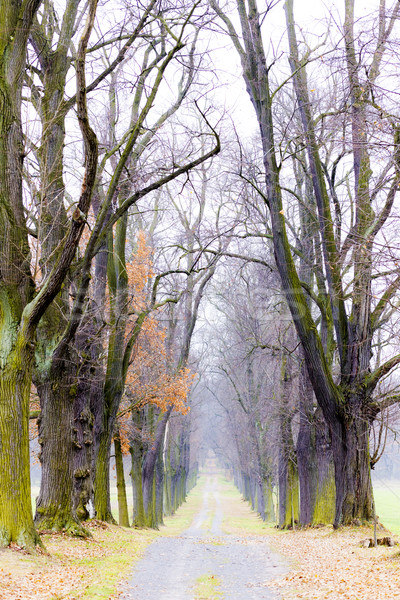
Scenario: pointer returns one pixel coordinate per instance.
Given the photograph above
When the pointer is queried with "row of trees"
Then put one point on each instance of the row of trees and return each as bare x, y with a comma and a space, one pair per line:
328, 175
68, 321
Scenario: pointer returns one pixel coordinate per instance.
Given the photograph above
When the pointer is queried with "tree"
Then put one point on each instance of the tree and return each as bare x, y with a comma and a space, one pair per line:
148, 384
245, 379
21, 308
49, 297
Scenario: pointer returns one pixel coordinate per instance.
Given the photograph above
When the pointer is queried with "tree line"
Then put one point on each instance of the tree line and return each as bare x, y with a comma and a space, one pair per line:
327, 172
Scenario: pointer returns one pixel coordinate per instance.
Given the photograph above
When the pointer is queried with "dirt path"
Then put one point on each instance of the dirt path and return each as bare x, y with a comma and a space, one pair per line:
172, 566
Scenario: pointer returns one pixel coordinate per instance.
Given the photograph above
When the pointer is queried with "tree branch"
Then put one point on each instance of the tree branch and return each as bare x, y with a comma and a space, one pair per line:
381, 371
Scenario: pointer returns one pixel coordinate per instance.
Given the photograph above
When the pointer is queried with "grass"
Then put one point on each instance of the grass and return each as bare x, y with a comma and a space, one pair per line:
207, 587
242, 518
387, 502
73, 569
91, 569
239, 518
182, 519
123, 547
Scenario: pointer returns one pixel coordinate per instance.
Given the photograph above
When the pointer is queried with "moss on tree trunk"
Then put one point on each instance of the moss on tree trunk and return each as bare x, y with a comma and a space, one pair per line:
54, 508
102, 503
123, 516
16, 518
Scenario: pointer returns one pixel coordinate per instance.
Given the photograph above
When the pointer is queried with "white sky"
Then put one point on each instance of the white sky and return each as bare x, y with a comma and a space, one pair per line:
313, 17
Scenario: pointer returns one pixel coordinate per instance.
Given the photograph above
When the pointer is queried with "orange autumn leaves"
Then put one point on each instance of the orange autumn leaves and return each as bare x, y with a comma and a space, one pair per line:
150, 378
140, 273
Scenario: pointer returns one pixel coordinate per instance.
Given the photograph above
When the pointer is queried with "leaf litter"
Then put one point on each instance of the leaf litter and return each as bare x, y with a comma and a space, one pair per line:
72, 566
331, 565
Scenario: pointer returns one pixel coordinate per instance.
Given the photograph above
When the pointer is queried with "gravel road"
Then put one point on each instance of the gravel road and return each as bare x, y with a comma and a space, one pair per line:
171, 565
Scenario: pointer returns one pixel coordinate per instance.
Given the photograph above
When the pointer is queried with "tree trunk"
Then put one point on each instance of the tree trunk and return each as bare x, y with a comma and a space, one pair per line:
168, 479
83, 463
102, 503
159, 483
136, 449
115, 376
83, 455
269, 506
148, 471
54, 63
89, 391
288, 473
16, 285
325, 493
16, 519
260, 497
354, 486
288, 479
123, 514
305, 449
58, 440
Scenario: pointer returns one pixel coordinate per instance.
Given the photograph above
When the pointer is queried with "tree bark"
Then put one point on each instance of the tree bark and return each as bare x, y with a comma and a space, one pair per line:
16, 286
102, 503
137, 451
16, 519
148, 471
305, 449
89, 387
288, 474
54, 508
354, 485
123, 514
325, 496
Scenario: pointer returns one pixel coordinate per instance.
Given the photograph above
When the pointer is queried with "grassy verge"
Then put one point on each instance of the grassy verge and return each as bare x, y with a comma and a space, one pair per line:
77, 569
242, 518
239, 518
325, 563
182, 519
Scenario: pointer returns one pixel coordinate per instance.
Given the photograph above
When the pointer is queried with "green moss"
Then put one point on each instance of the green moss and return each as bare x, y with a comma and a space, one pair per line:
81, 473
324, 511
292, 497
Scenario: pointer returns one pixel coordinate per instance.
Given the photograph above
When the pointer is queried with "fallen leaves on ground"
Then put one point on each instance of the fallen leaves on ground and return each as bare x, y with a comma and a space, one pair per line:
330, 565
73, 565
